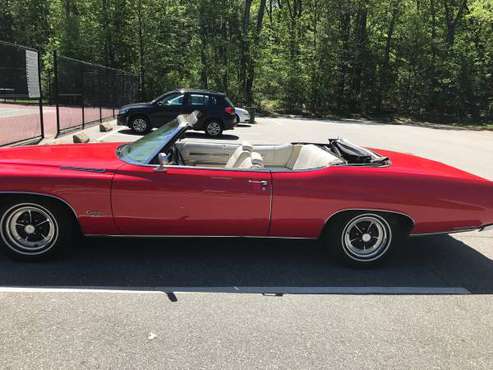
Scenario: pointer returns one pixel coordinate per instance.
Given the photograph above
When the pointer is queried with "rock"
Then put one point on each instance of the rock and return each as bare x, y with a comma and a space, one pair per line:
81, 138
105, 127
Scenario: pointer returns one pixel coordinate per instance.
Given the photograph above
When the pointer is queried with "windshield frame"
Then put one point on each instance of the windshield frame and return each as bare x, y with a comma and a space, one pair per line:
163, 145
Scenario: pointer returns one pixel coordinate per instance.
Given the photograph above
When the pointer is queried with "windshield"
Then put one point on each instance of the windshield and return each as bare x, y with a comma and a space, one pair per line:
145, 149
162, 96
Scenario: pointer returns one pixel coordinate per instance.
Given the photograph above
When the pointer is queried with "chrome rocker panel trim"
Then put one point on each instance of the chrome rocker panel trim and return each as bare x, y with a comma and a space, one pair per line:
196, 236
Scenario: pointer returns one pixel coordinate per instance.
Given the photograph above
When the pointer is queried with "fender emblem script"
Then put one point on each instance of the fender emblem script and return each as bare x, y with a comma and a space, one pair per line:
95, 213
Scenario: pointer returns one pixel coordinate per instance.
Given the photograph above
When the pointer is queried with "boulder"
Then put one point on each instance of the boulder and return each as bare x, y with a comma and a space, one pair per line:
81, 138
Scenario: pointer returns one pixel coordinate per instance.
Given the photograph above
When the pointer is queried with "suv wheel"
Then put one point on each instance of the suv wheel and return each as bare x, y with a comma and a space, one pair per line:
140, 125
213, 128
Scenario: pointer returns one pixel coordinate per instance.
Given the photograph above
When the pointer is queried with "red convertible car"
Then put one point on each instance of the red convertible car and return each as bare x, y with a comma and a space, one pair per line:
360, 202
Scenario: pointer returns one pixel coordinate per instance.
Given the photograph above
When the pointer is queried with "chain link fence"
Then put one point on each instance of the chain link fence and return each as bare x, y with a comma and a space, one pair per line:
21, 107
87, 93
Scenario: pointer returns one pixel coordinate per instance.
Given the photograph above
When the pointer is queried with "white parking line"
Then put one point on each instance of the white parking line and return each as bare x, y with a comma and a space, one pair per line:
107, 135
350, 290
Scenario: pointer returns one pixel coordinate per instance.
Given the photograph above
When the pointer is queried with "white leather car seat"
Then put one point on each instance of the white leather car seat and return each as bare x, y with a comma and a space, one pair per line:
253, 161
241, 153
310, 156
275, 155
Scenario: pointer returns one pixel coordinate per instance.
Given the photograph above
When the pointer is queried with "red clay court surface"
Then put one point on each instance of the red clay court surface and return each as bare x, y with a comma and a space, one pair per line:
22, 121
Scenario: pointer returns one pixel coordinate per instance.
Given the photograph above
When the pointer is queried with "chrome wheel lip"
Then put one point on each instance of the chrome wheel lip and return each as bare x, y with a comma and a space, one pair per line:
11, 237
139, 124
376, 250
213, 128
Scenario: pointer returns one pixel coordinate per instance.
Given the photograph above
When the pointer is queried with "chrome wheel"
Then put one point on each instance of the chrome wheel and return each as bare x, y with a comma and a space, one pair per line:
29, 229
366, 237
139, 125
213, 128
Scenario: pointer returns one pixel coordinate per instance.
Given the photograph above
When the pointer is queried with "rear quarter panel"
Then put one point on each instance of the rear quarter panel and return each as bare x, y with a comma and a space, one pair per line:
303, 201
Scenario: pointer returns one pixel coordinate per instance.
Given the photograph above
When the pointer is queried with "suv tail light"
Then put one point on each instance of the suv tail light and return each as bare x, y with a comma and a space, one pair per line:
229, 110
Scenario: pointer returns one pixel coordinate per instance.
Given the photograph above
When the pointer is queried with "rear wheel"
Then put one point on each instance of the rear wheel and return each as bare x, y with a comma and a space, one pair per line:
364, 238
140, 125
213, 128
35, 229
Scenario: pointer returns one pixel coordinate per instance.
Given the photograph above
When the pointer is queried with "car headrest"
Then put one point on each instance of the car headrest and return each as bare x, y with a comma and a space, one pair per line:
257, 160
247, 146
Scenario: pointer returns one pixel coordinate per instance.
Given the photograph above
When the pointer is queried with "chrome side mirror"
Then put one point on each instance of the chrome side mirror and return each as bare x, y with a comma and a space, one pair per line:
163, 162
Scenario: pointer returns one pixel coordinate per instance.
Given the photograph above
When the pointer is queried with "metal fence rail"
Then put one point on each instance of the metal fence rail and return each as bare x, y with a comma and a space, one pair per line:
21, 107
86, 93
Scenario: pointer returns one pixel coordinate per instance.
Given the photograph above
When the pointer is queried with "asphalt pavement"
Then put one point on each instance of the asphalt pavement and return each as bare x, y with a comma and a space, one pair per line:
261, 303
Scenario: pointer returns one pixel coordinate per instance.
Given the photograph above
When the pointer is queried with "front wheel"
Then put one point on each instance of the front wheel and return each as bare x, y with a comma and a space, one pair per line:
34, 229
365, 238
213, 128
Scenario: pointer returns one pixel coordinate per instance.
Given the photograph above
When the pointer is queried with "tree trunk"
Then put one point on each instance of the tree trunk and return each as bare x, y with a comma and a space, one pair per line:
384, 72
359, 58
344, 34
453, 21
253, 55
141, 49
245, 47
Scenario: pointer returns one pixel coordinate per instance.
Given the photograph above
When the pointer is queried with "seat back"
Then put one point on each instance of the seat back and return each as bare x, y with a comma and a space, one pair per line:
310, 156
253, 161
275, 155
239, 155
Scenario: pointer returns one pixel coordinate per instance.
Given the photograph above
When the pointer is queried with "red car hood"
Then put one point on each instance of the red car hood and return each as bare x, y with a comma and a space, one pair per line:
100, 156
408, 163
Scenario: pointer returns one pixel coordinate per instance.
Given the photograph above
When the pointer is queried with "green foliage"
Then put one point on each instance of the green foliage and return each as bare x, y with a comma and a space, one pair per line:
427, 58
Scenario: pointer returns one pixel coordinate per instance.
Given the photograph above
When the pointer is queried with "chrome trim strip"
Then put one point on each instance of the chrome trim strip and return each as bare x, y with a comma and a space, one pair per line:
456, 231
44, 195
83, 169
198, 236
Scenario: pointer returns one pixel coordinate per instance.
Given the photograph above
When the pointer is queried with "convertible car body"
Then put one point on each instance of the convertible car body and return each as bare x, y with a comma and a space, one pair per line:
361, 200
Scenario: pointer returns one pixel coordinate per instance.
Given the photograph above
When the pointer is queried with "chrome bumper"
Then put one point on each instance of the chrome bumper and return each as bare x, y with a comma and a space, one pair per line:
486, 227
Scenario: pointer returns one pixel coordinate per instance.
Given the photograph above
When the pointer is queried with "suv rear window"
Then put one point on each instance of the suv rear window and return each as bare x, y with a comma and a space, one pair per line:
201, 99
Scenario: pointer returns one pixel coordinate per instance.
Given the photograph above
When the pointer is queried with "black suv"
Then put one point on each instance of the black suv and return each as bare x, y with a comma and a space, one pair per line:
216, 111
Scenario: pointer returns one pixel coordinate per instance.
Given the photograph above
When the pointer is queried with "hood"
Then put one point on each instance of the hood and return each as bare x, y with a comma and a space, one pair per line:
411, 164
136, 105
98, 155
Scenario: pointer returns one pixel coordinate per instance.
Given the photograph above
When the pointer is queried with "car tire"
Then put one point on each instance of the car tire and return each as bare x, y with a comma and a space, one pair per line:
364, 239
35, 229
213, 128
140, 125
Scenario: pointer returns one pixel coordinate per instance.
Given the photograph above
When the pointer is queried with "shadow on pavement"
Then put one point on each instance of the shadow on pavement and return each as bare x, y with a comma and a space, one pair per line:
439, 261
128, 131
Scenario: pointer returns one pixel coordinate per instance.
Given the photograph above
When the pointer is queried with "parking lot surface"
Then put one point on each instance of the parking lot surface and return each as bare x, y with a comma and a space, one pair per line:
195, 303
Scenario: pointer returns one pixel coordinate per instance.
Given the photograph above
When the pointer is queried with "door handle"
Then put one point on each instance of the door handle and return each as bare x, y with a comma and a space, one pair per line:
261, 182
